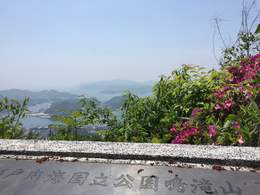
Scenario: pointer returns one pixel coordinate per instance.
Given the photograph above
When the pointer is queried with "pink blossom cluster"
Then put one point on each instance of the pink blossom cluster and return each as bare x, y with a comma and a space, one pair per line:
238, 90
247, 93
227, 105
173, 129
246, 71
221, 93
195, 112
186, 132
212, 130
241, 140
236, 125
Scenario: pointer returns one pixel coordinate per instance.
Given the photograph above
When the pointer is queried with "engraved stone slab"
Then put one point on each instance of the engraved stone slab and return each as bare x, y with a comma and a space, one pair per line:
27, 177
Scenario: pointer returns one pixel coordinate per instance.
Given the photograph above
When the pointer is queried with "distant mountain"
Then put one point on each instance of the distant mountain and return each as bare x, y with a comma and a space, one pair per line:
63, 107
114, 103
66, 106
105, 90
37, 97
108, 92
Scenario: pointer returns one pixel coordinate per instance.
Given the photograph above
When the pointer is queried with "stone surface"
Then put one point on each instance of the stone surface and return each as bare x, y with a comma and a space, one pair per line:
30, 177
30, 167
234, 156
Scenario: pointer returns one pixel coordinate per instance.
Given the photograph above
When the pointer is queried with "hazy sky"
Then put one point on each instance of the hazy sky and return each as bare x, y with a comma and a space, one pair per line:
50, 43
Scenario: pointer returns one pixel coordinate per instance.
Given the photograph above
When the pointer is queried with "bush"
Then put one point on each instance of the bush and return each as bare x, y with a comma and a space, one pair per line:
215, 107
230, 115
11, 112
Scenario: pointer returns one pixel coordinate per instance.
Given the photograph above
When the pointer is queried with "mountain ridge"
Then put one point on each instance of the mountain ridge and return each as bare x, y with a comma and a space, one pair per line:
105, 90
37, 97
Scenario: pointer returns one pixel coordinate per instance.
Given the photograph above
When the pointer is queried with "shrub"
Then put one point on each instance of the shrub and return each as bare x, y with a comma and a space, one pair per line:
11, 112
231, 114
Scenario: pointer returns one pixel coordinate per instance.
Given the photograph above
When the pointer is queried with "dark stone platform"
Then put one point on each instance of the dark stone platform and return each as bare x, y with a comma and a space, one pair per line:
30, 177
30, 167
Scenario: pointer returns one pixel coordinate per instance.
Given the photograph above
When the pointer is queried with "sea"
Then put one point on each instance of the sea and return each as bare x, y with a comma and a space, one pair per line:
37, 118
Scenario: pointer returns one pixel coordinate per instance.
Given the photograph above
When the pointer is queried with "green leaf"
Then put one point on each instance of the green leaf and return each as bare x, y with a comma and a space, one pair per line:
257, 31
231, 117
227, 124
156, 140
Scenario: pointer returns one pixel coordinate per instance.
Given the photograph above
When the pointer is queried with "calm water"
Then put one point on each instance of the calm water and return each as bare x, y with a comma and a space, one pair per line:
31, 122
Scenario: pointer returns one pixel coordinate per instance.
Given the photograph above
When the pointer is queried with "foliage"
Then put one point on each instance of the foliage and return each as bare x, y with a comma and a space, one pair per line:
148, 119
11, 112
246, 45
215, 107
231, 115
248, 41
67, 126
32, 135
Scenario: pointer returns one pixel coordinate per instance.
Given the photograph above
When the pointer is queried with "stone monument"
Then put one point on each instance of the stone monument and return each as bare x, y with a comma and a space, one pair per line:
30, 167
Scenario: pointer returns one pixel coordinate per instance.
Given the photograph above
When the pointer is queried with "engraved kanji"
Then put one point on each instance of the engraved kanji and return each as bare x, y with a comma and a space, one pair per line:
79, 178
149, 182
55, 177
34, 175
175, 184
15, 173
204, 185
100, 180
231, 190
124, 181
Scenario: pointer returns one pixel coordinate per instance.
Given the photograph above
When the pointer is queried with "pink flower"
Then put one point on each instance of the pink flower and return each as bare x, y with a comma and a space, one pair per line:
177, 141
241, 89
247, 70
212, 130
192, 131
182, 136
185, 125
249, 94
218, 107
228, 104
195, 112
226, 88
240, 140
173, 129
236, 125
254, 58
219, 94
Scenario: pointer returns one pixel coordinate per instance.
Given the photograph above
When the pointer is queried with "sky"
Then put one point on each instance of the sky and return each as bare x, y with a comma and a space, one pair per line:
64, 43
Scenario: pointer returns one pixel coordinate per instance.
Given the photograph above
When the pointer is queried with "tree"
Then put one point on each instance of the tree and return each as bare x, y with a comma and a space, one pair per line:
89, 113
12, 111
247, 41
